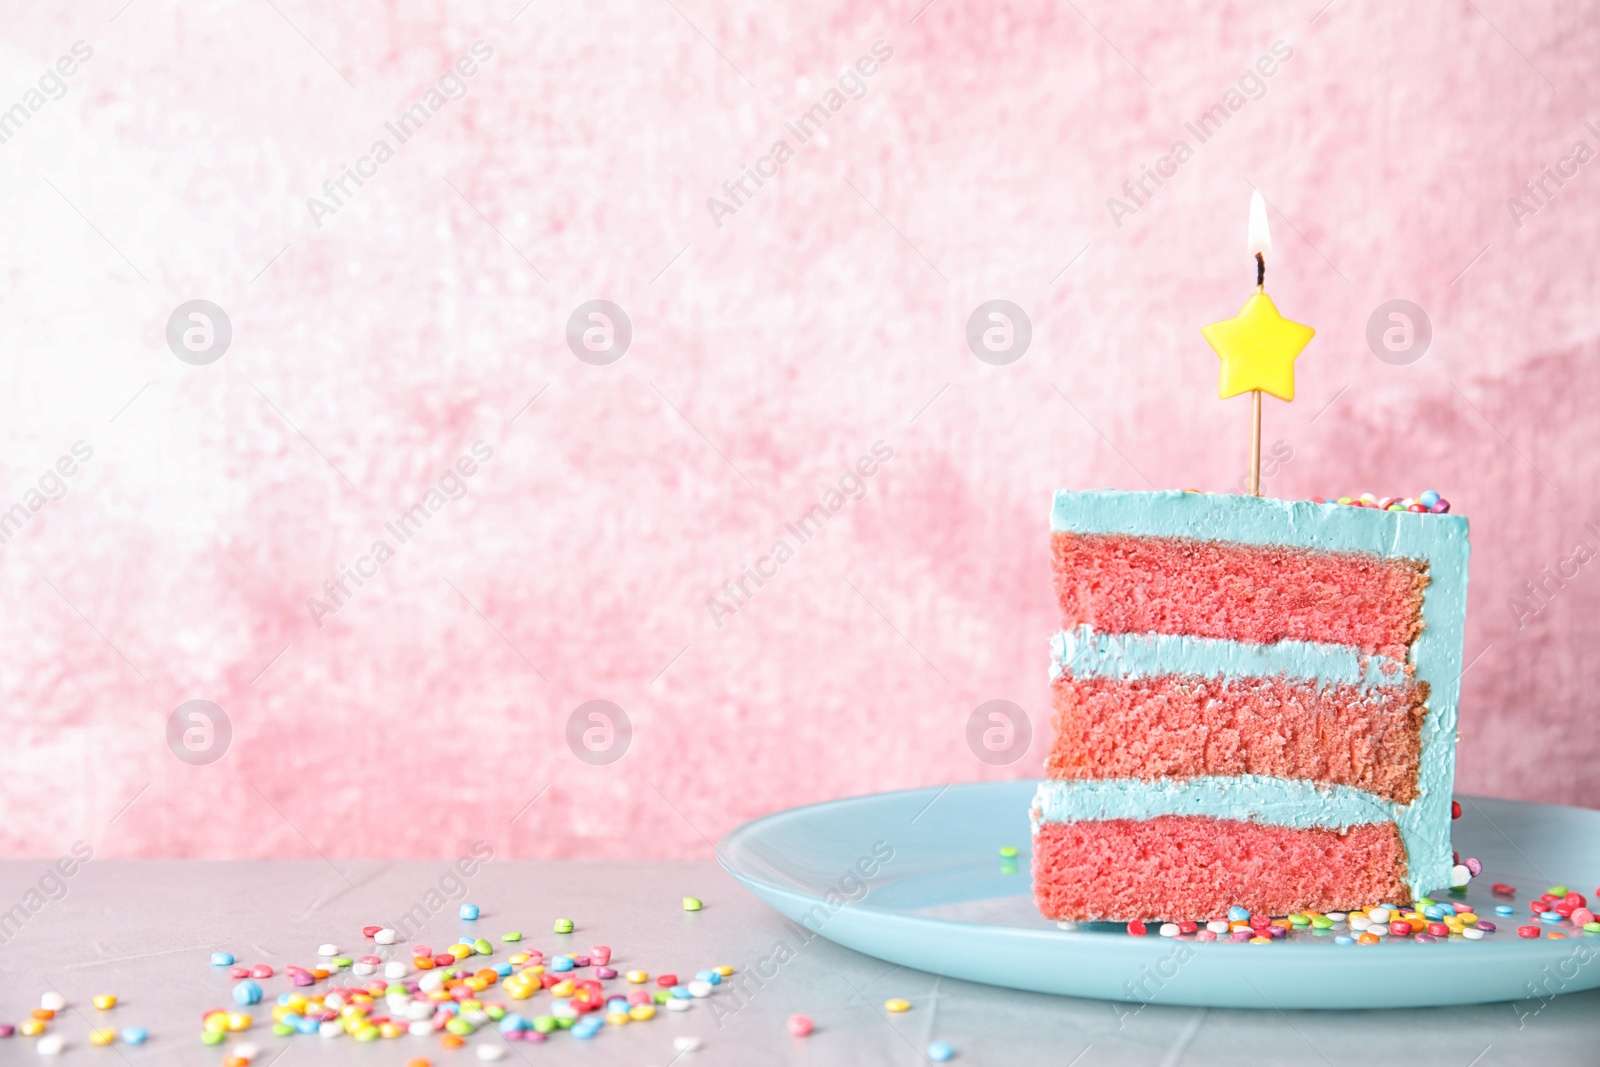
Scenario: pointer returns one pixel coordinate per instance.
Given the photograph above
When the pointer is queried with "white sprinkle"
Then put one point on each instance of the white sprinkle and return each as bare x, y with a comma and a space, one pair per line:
1472, 933
1378, 915
384, 936
1359, 922
686, 1043
699, 990
1459, 876
420, 1027
1217, 926
50, 1045
1336, 916
394, 969
1169, 930
679, 1004
330, 1029
489, 1053
247, 1051
362, 969
52, 1001
1066, 924
328, 950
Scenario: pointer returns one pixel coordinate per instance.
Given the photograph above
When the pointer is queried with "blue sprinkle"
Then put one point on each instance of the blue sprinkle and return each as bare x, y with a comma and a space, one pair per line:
469, 911
1344, 939
247, 993
221, 959
1238, 915
308, 1026
1504, 909
134, 1035
939, 1051
1549, 917
511, 1022
561, 963
681, 992
1428, 498
504, 970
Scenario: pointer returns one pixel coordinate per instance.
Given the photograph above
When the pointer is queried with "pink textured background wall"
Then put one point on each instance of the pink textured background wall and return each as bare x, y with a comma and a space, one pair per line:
377, 339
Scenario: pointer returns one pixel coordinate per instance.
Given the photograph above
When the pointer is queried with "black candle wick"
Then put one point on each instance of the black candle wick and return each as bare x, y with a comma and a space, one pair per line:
1261, 270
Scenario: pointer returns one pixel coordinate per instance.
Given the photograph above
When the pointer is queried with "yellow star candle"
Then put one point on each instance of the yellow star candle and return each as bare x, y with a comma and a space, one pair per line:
1258, 346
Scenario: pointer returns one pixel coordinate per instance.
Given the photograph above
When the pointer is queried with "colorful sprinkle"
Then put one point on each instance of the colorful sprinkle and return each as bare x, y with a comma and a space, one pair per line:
801, 1025
896, 1005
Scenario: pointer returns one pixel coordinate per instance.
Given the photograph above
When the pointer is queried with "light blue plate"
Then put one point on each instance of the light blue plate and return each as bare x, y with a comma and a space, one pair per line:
916, 878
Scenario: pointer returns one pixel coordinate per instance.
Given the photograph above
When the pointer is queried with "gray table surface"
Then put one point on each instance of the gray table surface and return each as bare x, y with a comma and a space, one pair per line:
145, 930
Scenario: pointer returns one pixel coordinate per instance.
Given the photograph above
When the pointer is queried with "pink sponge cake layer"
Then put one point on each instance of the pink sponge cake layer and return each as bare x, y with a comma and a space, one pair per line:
1176, 867
1175, 726
1119, 583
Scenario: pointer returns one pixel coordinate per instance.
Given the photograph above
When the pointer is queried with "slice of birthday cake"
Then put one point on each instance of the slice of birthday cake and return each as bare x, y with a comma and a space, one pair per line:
1255, 706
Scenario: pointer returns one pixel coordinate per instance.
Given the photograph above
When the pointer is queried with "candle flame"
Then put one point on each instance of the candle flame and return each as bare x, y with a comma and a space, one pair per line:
1260, 234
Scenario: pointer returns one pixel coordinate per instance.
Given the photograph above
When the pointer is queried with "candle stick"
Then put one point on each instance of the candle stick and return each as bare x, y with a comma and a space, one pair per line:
1258, 346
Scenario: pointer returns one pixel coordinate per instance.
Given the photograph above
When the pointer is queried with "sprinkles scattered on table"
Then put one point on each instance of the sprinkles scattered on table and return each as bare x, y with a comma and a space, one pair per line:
1428, 502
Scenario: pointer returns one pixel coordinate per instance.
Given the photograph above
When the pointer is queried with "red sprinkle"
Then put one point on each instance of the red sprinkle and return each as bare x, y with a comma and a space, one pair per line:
370, 931
1527, 931
666, 981
1537, 906
1187, 927
1501, 889
261, 970
1400, 928
1137, 928
1438, 930
1455, 809
1577, 900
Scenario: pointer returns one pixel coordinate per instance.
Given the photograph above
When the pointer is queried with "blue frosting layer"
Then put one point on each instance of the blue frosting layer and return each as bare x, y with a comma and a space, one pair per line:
1248, 797
1440, 541
1088, 654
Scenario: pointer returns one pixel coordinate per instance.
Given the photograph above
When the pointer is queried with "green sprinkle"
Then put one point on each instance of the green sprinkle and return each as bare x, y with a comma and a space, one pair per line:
1591, 928
482, 947
495, 1011
1557, 890
661, 996
563, 926
1321, 922
282, 1030
1008, 851
1300, 920
459, 1026
341, 961
544, 1023
397, 990
692, 904
515, 935
1424, 902
366, 1033
213, 1037
564, 1023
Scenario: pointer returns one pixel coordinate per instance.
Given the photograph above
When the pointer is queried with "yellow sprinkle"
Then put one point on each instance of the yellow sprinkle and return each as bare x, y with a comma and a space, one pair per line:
1261, 941
102, 1037
723, 970
105, 1001
638, 977
616, 1018
896, 1004
641, 1012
